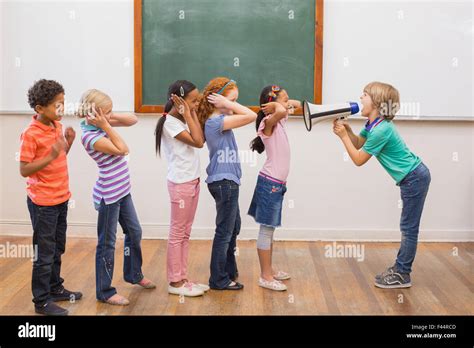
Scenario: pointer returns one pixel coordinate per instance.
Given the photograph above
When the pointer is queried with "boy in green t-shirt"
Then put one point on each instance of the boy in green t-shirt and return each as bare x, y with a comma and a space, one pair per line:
379, 138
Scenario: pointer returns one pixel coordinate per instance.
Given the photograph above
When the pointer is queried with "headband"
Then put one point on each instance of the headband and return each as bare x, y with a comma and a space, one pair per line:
223, 88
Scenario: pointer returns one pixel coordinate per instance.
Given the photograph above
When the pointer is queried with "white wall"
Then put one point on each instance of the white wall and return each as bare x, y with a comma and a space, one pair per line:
328, 198
83, 44
423, 47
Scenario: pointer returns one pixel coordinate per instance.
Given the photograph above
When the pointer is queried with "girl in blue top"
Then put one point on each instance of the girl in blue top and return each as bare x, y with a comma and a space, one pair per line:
218, 114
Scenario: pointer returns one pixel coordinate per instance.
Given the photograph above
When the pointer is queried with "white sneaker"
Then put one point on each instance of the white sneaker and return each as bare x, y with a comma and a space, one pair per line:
187, 289
272, 284
203, 287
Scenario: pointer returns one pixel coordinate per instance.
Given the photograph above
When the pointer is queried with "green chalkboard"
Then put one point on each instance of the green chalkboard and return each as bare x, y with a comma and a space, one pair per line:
254, 42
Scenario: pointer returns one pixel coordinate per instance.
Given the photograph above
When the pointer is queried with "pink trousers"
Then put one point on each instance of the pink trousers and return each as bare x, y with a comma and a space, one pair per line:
184, 199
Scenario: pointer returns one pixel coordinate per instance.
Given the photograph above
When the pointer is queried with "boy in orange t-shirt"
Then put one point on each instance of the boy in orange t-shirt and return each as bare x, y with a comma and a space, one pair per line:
43, 161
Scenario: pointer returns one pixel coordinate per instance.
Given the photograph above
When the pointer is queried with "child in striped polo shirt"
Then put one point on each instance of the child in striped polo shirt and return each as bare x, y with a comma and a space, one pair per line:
43, 161
111, 195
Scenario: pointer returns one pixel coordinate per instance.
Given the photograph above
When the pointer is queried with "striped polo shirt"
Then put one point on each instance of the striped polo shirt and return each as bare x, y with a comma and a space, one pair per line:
50, 185
114, 177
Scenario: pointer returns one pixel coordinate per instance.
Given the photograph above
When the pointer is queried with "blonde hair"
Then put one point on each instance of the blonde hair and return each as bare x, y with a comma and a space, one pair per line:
385, 98
92, 98
205, 109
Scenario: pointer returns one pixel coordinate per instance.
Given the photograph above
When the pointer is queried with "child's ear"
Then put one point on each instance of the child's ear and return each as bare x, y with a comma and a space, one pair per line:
39, 109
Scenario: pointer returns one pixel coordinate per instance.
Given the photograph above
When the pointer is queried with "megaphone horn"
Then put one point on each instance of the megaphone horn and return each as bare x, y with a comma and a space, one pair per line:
317, 113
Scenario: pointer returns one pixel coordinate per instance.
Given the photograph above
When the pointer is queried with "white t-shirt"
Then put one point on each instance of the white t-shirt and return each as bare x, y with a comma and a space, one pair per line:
183, 159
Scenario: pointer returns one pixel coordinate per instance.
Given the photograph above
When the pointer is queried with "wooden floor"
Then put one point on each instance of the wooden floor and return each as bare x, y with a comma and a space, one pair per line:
442, 283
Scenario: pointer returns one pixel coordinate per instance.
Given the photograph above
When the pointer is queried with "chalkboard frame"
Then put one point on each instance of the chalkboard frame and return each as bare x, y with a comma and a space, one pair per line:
152, 109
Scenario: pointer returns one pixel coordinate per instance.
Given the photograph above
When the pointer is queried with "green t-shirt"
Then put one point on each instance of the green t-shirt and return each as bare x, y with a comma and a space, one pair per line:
388, 147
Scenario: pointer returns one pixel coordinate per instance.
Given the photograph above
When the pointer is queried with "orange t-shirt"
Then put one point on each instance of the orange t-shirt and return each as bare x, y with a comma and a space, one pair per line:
50, 185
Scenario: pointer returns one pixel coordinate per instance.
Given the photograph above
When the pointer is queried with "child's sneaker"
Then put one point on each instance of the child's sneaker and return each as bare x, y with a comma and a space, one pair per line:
201, 286
389, 270
51, 309
187, 289
65, 295
280, 275
272, 284
394, 280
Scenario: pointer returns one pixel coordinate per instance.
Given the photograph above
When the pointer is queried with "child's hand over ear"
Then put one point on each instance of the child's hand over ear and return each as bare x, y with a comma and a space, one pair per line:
273, 108
269, 108
99, 119
219, 101
339, 129
181, 105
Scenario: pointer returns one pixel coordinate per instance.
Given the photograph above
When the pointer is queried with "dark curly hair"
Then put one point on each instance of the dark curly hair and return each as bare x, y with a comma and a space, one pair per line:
43, 92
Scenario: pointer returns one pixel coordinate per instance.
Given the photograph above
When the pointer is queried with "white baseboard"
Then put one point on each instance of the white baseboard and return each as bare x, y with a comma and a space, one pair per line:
160, 231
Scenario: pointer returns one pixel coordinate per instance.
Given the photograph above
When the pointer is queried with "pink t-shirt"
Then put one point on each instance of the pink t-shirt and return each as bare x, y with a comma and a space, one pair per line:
277, 148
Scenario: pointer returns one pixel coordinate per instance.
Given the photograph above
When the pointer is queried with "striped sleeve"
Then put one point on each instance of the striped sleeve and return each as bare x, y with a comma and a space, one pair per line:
90, 138
27, 147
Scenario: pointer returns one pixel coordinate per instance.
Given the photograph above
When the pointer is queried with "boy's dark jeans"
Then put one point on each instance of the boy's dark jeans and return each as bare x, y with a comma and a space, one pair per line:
223, 262
49, 240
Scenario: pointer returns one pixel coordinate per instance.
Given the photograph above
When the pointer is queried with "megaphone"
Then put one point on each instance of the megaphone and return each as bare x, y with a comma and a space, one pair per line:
317, 113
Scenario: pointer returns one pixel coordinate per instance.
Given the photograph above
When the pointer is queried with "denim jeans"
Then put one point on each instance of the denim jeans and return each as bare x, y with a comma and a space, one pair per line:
413, 188
223, 262
49, 237
110, 215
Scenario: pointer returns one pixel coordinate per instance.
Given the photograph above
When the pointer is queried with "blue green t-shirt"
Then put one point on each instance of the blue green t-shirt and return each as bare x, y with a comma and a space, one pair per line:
384, 142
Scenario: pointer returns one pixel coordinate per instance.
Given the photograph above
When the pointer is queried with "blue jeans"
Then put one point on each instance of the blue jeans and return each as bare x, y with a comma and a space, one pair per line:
223, 262
413, 188
49, 237
122, 212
